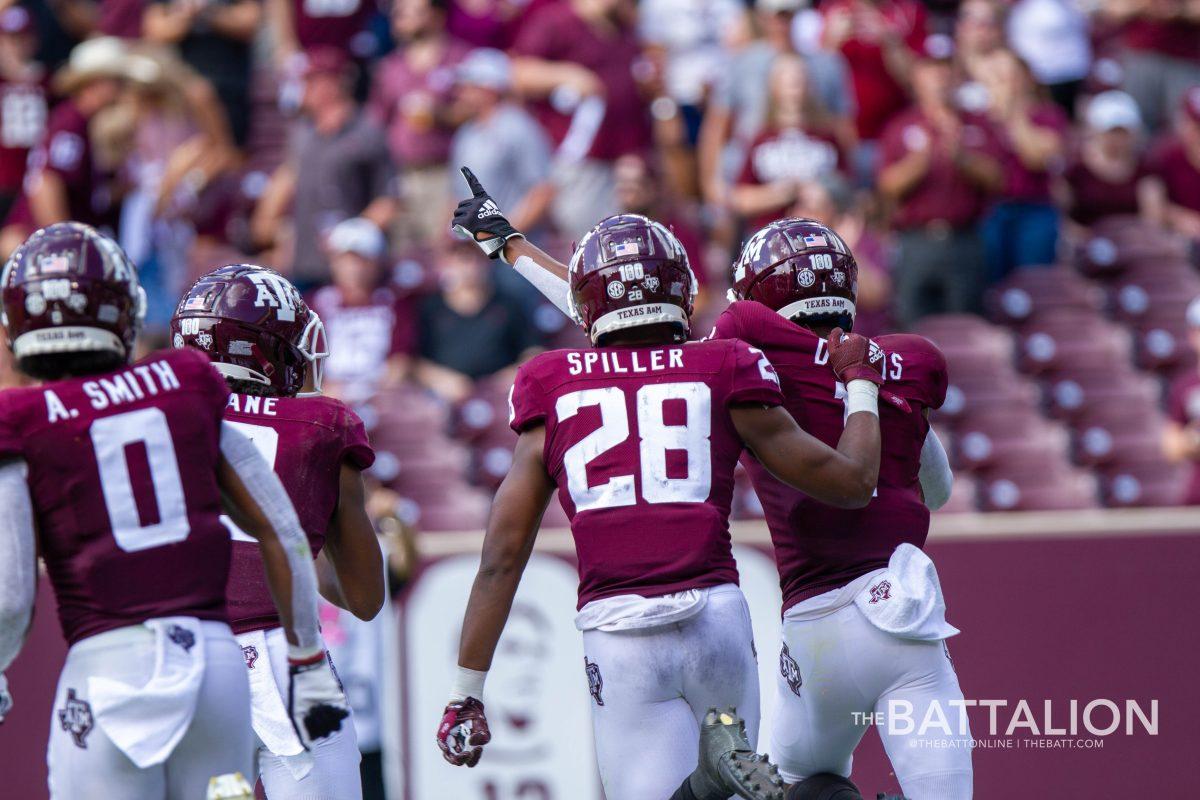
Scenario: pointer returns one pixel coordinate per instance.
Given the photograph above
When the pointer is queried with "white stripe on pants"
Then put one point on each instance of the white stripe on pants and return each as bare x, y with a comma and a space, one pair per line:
657, 684
850, 669
218, 741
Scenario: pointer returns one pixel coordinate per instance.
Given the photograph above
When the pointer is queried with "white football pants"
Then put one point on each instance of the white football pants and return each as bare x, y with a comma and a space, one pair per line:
334, 774
652, 687
86, 765
848, 670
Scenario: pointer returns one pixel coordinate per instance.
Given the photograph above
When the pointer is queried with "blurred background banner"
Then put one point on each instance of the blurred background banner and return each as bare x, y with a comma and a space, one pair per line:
1083, 606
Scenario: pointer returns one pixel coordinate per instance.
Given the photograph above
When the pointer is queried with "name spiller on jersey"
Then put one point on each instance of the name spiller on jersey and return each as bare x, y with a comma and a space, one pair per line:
614, 362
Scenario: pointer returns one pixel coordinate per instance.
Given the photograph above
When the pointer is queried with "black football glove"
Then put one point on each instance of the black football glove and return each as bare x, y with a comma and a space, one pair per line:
481, 220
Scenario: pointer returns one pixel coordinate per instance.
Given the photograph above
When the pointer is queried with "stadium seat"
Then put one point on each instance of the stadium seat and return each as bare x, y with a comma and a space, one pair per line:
1071, 394
1074, 340
1144, 485
1029, 489
1031, 293
964, 497
1008, 436
985, 392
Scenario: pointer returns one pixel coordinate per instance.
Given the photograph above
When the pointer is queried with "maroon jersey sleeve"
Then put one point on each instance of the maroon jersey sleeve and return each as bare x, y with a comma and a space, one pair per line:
741, 321
356, 450
753, 379
916, 368
526, 407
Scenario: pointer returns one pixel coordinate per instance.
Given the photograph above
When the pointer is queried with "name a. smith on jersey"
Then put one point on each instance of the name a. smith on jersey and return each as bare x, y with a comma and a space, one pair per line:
623, 361
129, 386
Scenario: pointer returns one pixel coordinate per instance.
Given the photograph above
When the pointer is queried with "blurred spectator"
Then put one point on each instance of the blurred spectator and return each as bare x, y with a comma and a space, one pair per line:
22, 101
639, 190
1162, 53
796, 147
500, 141
302, 25
63, 181
214, 37
878, 39
121, 18
370, 328
577, 59
470, 328
488, 23
1181, 437
831, 200
939, 166
1105, 176
737, 109
978, 32
1173, 193
1022, 227
411, 97
1052, 37
337, 167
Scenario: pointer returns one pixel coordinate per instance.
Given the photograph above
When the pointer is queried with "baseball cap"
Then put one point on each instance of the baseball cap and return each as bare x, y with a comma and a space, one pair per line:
486, 67
1191, 104
780, 6
357, 235
1111, 110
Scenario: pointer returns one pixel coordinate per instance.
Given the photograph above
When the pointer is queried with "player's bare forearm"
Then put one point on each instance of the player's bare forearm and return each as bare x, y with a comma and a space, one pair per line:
515, 248
353, 549
844, 477
512, 527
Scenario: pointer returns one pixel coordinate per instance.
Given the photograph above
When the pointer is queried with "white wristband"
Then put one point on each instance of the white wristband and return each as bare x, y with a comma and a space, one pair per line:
862, 395
467, 683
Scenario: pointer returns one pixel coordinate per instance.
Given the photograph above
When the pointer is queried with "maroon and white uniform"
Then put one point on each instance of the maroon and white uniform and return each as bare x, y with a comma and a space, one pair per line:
306, 439
839, 567
122, 477
819, 547
643, 449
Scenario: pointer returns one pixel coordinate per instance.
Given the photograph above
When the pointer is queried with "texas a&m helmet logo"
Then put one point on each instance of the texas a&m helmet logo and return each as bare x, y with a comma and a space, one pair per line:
595, 682
76, 718
275, 291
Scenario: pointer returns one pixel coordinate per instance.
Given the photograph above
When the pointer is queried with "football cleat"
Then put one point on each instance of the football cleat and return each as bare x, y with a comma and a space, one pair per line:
729, 765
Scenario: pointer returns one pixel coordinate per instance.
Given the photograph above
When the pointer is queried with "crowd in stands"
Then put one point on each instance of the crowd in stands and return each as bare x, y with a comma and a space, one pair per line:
958, 147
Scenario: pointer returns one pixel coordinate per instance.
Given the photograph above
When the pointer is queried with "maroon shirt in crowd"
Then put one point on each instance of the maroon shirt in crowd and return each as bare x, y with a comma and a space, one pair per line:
1170, 163
1183, 407
121, 18
22, 124
306, 440
1093, 198
66, 151
330, 23
819, 547
406, 103
557, 33
878, 96
797, 155
1020, 182
122, 473
363, 337
1176, 38
649, 509
944, 193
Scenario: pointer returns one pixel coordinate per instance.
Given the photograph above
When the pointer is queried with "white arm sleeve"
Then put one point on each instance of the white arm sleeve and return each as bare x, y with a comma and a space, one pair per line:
18, 564
268, 492
936, 477
553, 287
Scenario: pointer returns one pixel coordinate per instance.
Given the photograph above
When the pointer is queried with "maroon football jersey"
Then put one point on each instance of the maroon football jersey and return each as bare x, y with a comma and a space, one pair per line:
22, 121
819, 547
306, 440
643, 449
122, 472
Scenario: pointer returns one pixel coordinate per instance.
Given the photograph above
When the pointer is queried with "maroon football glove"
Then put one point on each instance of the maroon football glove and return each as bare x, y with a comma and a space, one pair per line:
854, 358
463, 732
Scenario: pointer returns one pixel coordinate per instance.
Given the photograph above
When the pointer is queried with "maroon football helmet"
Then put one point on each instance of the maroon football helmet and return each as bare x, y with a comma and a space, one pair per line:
799, 268
630, 271
71, 289
255, 327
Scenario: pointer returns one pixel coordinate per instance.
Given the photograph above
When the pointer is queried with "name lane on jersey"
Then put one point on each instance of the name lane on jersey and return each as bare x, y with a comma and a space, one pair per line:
127, 386
624, 361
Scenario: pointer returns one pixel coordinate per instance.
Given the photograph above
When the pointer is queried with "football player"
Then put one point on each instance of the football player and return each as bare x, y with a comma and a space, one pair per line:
267, 342
640, 436
795, 281
115, 473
